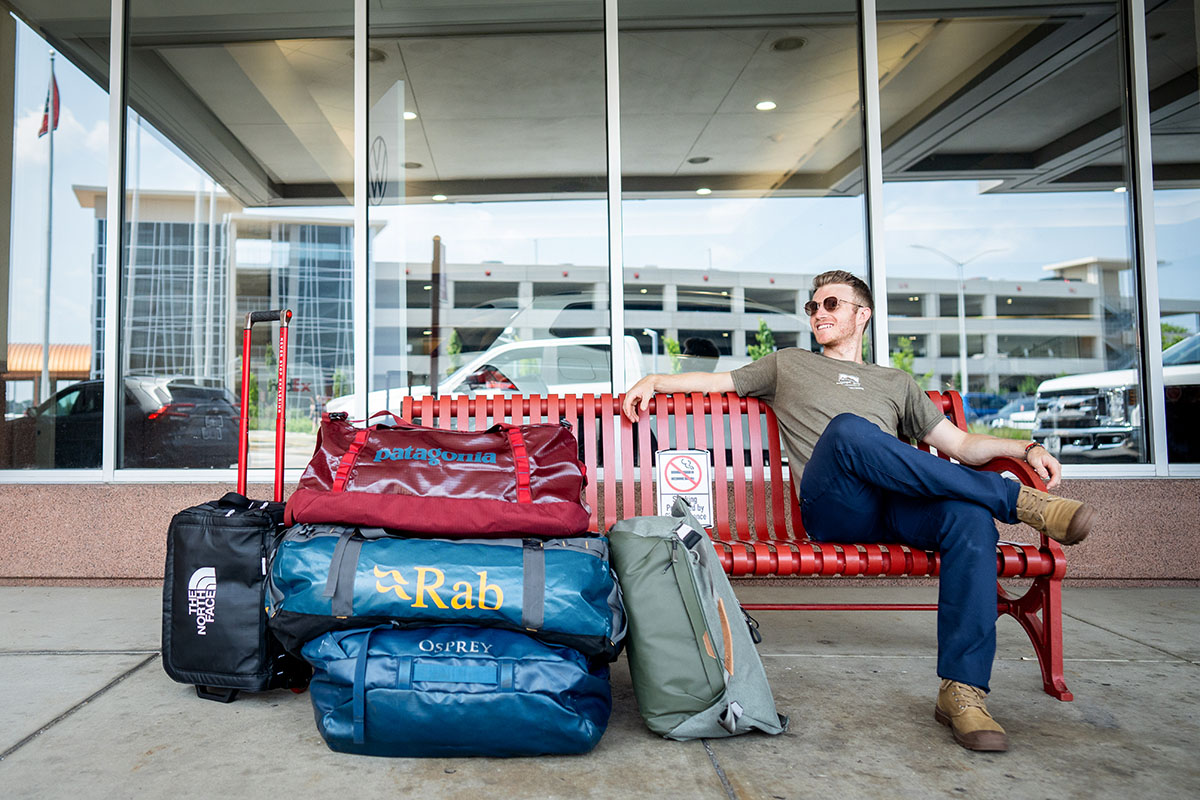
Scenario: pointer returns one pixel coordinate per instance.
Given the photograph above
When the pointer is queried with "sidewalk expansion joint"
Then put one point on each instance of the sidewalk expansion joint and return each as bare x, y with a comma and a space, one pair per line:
93, 696
883, 657
1126, 636
79, 652
732, 795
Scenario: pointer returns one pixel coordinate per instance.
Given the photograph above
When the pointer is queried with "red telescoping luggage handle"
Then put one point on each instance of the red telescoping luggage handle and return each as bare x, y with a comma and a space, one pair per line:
283, 317
516, 441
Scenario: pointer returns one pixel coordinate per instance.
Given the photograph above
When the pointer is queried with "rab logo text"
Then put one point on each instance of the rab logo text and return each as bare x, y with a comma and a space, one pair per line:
433, 455
202, 597
430, 579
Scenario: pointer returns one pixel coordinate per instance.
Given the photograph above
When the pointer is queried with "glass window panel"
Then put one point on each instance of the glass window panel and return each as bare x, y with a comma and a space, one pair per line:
239, 185
55, 159
741, 154
1175, 140
1005, 177
487, 175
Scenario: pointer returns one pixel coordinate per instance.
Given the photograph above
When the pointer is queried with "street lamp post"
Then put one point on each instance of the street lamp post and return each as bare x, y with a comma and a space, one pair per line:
962, 308
653, 334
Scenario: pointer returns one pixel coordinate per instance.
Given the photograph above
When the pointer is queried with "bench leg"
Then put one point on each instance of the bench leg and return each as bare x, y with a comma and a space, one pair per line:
1039, 611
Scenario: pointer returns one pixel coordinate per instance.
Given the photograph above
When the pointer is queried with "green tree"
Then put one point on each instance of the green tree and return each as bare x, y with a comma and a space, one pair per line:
1172, 334
904, 356
341, 382
765, 342
1028, 385
454, 350
673, 351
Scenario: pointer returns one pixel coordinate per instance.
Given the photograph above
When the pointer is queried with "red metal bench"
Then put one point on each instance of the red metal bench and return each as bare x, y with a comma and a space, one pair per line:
758, 531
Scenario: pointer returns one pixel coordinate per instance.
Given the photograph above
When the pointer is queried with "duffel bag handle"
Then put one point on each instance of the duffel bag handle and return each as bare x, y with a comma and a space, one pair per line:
411, 670
401, 422
514, 434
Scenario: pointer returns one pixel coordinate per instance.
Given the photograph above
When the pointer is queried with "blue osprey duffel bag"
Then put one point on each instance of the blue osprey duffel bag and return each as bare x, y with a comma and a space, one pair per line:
454, 691
328, 577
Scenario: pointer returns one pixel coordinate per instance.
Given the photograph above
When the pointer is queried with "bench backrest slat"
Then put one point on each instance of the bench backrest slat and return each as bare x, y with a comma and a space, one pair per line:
587, 431
720, 467
645, 467
758, 488
737, 448
608, 440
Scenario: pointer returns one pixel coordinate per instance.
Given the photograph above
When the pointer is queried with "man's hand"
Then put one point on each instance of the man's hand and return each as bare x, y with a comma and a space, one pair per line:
980, 448
638, 398
1045, 465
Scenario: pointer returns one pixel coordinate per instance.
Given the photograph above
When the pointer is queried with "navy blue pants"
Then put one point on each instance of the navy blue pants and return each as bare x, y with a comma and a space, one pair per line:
864, 485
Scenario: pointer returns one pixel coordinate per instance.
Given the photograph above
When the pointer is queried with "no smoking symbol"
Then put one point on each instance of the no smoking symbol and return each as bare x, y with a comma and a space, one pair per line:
682, 474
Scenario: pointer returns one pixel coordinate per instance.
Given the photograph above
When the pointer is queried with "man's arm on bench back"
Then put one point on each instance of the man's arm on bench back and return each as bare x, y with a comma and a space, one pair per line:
638, 396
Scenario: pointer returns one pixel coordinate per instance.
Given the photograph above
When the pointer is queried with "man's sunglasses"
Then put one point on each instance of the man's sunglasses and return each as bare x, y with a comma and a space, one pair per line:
831, 304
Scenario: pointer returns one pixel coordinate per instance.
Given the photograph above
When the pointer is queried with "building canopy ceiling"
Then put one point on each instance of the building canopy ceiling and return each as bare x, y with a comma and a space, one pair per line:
509, 97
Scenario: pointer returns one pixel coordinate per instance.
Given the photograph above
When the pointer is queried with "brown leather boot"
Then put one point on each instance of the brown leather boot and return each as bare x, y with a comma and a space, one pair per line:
962, 707
1063, 520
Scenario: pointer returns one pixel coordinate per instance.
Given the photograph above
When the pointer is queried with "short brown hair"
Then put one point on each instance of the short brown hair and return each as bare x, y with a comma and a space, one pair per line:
862, 292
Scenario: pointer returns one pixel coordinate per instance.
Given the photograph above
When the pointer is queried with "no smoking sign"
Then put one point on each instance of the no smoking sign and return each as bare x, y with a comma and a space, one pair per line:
686, 474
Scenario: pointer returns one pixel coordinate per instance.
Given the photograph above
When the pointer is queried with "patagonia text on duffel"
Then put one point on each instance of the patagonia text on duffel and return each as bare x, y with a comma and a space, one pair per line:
455, 691
508, 480
330, 577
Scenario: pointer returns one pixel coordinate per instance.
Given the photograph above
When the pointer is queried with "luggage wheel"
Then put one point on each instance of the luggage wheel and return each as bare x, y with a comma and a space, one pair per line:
219, 695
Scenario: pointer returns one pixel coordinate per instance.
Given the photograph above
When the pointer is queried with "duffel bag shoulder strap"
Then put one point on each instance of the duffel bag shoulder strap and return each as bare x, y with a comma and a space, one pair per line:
348, 459
343, 566
516, 440
513, 433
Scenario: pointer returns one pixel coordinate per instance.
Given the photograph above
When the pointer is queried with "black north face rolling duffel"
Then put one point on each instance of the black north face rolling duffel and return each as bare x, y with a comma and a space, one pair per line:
215, 631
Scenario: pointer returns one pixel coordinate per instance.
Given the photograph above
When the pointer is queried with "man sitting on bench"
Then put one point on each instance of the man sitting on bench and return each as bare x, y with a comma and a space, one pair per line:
839, 419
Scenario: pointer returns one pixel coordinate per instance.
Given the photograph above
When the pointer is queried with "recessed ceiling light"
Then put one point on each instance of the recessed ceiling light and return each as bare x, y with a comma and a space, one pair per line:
703, 190
437, 198
410, 115
1119, 189
413, 165
788, 43
427, 287
374, 55
427, 333
765, 105
699, 160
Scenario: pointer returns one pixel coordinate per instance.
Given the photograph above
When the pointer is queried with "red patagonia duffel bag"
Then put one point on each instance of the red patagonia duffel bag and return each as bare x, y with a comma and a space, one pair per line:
508, 480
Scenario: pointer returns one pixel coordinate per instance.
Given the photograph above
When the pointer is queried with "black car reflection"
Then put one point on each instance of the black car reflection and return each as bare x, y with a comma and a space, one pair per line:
169, 422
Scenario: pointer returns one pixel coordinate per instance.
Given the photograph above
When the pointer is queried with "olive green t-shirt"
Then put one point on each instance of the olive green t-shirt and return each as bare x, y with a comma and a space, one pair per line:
807, 390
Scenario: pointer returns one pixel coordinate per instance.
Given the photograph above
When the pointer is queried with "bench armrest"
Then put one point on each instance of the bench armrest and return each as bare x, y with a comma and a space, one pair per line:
1019, 469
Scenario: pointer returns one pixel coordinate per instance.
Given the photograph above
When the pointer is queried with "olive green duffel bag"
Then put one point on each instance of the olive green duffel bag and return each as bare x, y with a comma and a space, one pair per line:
696, 672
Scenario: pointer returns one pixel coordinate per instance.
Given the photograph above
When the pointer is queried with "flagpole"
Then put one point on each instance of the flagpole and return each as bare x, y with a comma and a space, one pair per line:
52, 116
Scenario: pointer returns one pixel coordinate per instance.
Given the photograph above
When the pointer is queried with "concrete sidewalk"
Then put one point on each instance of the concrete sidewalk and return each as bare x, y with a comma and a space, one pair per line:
86, 711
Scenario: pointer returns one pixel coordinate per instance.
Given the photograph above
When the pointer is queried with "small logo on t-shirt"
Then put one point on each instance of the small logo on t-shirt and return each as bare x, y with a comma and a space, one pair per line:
849, 381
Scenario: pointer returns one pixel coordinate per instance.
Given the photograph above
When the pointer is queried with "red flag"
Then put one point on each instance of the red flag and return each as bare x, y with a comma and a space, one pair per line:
49, 123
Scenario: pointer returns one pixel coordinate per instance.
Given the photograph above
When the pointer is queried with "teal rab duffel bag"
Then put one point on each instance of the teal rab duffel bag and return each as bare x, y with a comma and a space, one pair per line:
696, 672
328, 577
455, 691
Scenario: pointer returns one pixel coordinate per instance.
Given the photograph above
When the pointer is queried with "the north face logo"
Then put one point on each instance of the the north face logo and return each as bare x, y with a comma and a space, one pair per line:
202, 597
